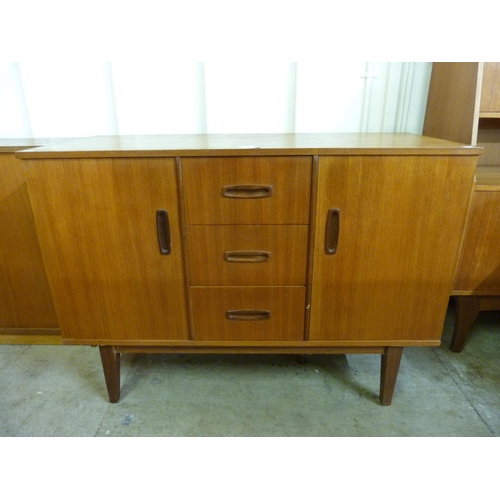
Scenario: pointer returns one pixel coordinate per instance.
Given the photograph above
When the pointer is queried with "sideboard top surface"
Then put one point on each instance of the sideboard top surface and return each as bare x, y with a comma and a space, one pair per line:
248, 145
12, 145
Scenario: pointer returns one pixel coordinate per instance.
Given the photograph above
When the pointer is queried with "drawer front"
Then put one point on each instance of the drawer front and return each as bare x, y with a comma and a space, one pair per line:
247, 190
247, 255
248, 313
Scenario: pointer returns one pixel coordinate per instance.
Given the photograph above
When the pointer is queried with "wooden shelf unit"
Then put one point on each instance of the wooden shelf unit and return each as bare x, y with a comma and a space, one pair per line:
464, 105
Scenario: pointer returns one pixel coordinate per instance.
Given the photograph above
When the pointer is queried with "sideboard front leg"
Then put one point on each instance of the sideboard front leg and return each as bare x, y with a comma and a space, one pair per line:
389, 373
111, 366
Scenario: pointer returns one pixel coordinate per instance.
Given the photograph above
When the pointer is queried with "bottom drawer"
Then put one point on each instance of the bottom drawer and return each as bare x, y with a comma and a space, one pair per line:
248, 313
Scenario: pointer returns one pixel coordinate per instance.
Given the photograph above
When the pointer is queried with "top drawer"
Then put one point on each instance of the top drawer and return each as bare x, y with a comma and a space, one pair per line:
247, 190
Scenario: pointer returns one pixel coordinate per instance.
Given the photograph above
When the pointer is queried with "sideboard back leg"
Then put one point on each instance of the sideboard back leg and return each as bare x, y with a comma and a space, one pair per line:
389, 373
467, 309
111, 366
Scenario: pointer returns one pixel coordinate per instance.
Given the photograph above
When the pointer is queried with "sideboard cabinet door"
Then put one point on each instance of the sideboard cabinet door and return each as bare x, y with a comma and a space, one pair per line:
111, 240
387, 237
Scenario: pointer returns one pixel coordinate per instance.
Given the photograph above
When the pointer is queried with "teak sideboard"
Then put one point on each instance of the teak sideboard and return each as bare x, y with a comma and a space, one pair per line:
288, 243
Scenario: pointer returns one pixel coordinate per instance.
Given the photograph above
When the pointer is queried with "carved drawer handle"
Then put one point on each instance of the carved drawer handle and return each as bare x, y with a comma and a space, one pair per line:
247, 191
248, 315
332, 231
163, 231
244, 256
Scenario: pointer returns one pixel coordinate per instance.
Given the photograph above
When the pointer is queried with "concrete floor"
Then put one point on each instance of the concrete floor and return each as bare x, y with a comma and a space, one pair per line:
60, 391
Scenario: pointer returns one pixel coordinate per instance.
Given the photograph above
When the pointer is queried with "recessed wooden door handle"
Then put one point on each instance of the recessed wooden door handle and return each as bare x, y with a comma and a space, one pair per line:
163, 231
244, 256
332, 231
247, 191
248, 315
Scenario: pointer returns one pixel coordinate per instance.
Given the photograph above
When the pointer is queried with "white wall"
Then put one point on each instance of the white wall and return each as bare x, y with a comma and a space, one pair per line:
72, 100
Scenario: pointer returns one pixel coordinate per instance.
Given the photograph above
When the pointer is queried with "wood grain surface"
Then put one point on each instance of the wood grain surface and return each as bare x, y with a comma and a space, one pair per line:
288, 177
25, 297
401, 225
97, 225
479, 270
453, 102
286, 265
490, 94
285, 304
207, 145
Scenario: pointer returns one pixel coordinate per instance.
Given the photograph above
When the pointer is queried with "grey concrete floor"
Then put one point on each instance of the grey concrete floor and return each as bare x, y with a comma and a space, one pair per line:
60, 391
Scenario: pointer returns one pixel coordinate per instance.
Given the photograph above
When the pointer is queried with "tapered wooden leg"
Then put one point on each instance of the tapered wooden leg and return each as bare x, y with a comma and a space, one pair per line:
111, 366
389, 373
467, 309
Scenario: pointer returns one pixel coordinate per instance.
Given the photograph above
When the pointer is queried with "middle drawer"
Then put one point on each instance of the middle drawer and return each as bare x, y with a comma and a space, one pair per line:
251, 255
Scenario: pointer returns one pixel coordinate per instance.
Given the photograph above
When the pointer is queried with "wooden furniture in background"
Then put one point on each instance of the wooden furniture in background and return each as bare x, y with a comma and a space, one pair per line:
27, 314
464, 105
306, 243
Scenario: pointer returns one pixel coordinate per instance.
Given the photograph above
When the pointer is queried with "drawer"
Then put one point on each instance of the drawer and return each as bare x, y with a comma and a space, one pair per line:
248, 313
247, 255
247, 190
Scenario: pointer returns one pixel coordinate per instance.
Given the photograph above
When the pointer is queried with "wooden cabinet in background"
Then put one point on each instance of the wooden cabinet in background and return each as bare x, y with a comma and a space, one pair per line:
27, 312
464, 105
307, 243
490, 91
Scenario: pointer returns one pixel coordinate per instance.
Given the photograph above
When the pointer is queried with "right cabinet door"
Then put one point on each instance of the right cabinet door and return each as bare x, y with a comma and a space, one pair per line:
387, 236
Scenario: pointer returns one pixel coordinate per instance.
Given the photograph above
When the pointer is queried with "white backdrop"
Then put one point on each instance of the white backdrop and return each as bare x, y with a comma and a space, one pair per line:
46, 100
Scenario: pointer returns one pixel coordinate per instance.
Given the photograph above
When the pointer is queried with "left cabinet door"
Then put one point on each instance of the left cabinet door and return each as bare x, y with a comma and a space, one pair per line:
101, 238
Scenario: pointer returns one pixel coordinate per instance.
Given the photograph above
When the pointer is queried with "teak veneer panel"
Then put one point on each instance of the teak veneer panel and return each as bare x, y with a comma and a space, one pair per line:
289, 178
240, 145
452, 102
488, 137
488, 177
97, 225
479, 270
285, 304
286, 244
401, 224
490, 94
25, 298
